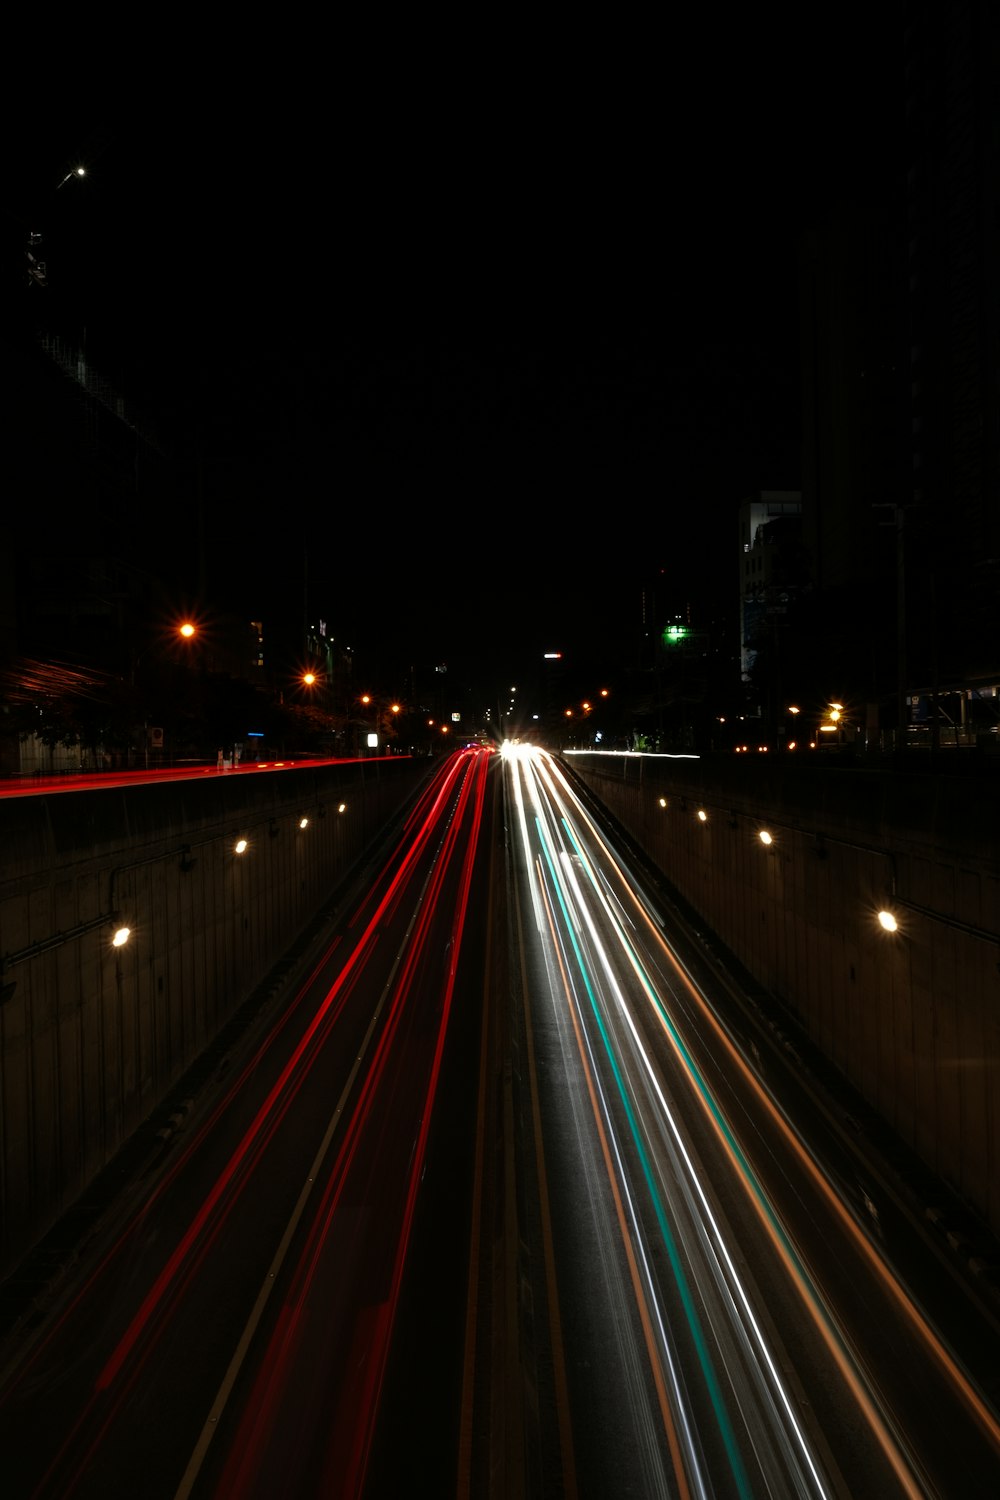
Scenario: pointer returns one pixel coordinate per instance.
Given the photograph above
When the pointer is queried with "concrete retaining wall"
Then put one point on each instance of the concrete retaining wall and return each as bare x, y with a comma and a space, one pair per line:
912, 1018
92, 1037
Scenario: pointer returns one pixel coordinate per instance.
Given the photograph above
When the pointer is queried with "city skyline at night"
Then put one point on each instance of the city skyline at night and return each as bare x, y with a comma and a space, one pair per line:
499, 750
461, 380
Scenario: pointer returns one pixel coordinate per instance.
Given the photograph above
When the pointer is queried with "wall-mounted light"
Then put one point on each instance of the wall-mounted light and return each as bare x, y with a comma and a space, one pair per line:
702, 815
303, 821
342, 807
121, 937
764, 836
240, 847
887, 921
662, 801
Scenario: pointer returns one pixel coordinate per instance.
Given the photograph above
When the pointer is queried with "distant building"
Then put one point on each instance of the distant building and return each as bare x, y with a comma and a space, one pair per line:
900, 343
771, 568
951, 242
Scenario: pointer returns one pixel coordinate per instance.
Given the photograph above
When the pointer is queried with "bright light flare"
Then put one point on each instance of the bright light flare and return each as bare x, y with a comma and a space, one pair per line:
121, 937
240, 847
888, 921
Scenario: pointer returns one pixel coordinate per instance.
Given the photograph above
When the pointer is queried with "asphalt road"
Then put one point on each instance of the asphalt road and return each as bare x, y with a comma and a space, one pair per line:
227, 1327
509, 1189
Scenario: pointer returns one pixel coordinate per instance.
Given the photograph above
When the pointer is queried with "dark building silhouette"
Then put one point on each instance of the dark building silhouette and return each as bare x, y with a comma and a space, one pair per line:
899, 321
951, 237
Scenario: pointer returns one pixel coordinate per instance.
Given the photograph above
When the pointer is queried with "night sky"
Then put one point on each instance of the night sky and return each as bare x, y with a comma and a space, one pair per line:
467, 348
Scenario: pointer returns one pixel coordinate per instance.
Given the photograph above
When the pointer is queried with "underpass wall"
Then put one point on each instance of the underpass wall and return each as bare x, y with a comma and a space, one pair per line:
93, 1037
911, 1019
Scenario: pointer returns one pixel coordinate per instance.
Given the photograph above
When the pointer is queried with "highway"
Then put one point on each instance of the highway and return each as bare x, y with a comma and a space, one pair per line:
511, 1194
729, 1288
228, 1331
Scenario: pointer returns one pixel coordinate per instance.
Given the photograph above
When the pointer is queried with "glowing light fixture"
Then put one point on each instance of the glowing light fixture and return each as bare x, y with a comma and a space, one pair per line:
888, 921
240, 847
121, 937
765, 837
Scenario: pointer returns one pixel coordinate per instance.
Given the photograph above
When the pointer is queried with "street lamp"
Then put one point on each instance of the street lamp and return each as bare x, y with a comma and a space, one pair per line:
367, 699
185, 631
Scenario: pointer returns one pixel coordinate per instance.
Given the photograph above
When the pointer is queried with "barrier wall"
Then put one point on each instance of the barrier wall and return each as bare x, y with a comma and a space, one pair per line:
93, 1037
911, 1019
